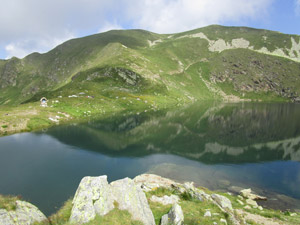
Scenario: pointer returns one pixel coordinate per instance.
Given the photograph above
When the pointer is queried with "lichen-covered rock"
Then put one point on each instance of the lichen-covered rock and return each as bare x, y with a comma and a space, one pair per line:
24, 214
95, 196
174, 217
92, 197
222, 201
131, 198
5, 217
165, 200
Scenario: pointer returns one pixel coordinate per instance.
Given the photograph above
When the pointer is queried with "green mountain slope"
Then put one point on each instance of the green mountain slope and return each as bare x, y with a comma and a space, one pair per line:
205, 63
140, 71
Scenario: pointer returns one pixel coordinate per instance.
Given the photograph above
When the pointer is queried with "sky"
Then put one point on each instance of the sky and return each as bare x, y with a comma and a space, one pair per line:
28, 26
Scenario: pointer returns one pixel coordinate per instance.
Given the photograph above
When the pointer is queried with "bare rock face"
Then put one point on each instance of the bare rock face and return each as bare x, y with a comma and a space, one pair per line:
92, 197
131, 198
95, 196
25, 214
174, 217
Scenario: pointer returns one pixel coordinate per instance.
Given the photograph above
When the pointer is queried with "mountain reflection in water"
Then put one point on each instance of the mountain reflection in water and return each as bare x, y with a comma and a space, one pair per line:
219, 146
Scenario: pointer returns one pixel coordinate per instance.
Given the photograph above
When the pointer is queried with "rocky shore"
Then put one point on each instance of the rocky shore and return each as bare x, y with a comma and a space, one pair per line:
148, 199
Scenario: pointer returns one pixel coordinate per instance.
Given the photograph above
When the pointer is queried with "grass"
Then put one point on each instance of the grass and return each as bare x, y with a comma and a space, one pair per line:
115, 216
193, 211
8, 202
62, 216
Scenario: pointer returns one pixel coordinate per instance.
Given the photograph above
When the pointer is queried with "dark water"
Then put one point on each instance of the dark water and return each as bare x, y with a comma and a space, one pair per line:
219, 146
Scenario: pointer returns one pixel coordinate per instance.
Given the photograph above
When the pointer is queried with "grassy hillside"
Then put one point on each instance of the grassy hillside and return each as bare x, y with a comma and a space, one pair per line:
136, 69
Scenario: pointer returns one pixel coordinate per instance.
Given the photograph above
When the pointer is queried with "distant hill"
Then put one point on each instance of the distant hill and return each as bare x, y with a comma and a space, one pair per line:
213, 62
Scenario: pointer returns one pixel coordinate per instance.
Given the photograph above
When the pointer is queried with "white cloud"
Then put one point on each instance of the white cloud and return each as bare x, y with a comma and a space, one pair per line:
35, 25
24, 47
179, 15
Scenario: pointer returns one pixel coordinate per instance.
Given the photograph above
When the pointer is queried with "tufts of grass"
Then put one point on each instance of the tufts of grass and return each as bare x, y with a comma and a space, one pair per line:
116, 217
161, 191
8, 202
63, 215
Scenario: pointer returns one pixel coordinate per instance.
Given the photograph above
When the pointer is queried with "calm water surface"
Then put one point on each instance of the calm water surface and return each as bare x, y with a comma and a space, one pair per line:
220, 146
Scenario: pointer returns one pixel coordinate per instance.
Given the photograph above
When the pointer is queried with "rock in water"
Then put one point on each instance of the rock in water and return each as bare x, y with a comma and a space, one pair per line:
174, 217
25, 214
222, 201
131, 197
93, 196
247, 193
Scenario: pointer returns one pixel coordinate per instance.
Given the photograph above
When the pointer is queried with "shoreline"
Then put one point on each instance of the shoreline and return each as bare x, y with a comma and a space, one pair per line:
159, 194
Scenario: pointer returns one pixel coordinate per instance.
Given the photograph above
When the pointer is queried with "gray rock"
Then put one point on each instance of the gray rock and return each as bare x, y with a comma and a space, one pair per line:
93, 196
131, 197
207, 214
149, 181
25, 214
251, 202
165, 200
174, 217
195, 192
222, 201
247, 193
5, 217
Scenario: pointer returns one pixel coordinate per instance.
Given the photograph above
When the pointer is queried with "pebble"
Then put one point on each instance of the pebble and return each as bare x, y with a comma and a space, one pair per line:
260, 208
239, 201
207, 214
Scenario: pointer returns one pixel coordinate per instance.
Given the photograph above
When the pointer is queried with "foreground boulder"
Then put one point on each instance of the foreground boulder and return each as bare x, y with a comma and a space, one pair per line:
24, 214
130, 197
174, 217
95, 196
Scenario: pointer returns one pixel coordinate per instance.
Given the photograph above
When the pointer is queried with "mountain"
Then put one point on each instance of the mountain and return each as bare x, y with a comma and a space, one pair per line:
140, 71
205, 63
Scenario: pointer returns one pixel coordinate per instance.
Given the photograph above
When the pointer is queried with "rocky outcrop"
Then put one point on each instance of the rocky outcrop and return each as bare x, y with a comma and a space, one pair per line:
24, 214
95, 196
174, 217
130, 197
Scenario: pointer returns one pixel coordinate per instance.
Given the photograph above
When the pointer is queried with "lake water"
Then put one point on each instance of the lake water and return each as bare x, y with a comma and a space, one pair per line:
219, 146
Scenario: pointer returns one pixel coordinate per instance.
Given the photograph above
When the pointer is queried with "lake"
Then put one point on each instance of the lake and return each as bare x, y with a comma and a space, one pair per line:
219, 146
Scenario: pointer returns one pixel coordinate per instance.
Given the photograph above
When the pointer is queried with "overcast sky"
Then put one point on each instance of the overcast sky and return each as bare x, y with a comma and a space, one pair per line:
27, 26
